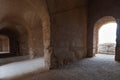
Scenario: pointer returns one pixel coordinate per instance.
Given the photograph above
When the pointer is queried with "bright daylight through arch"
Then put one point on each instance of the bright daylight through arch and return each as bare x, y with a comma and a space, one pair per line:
107, 38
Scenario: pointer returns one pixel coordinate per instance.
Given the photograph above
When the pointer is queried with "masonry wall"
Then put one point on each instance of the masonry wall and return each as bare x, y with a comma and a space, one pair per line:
68, 30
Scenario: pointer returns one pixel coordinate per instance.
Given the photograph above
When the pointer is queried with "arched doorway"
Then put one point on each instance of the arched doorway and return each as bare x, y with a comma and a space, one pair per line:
97, 26
107, 38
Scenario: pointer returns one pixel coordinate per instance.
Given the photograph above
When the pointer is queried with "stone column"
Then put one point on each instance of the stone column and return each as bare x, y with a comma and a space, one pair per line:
117, 50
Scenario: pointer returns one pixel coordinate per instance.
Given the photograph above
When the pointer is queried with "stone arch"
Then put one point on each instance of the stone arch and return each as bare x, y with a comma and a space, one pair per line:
97, 26
18, 36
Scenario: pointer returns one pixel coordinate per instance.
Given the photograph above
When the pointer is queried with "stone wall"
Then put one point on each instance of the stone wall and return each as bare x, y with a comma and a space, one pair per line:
68, 30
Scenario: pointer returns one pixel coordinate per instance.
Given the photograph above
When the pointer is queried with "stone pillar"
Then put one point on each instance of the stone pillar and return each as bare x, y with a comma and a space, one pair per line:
117, 50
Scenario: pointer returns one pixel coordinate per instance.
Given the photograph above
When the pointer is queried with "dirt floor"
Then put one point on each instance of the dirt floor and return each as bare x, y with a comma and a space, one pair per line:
101, 67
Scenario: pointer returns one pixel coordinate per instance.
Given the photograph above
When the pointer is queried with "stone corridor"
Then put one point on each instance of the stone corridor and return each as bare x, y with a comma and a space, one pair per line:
64, 33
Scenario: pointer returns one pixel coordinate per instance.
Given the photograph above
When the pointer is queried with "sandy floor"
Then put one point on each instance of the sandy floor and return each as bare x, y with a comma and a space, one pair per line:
101, 67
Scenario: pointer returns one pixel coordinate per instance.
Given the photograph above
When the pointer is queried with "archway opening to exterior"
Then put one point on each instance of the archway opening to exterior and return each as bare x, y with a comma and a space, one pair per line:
97, 27
107, 38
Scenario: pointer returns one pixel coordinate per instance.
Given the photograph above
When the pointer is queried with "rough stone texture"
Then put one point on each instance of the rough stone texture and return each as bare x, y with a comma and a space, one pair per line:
68, 30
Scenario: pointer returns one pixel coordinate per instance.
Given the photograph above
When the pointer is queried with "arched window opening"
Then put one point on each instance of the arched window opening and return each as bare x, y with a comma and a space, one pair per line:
107, 38
4, 44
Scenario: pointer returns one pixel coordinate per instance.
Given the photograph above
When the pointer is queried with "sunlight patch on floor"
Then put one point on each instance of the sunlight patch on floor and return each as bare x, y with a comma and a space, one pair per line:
21, 68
